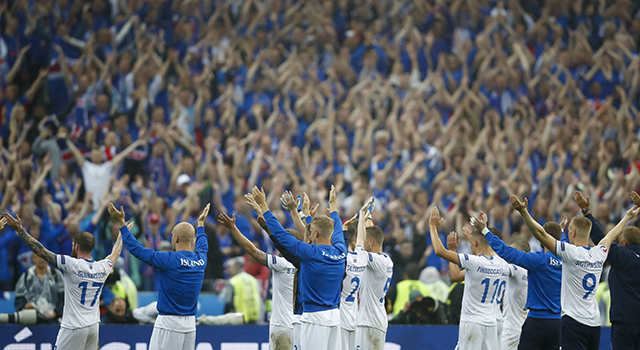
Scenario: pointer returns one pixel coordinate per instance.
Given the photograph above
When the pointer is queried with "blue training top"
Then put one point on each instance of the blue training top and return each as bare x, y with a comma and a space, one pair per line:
181, 273
322, 267
545, 277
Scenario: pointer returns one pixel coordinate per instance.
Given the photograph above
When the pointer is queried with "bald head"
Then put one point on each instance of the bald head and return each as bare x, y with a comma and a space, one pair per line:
182, 236
118, 306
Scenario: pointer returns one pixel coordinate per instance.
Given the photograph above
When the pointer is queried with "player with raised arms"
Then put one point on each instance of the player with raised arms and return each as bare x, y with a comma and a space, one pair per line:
280, 325
181, 277
483, 278
350, 286
372, 316
581, 270
322, 268
83, 282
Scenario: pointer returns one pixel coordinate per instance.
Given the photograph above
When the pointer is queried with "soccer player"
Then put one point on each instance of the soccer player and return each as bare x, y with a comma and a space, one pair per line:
322, 268
581, 270
514, 309
514, 305
624, 281
541, 329
372, 316
350, 287
280, 325
484, 277
181, 276
83, 282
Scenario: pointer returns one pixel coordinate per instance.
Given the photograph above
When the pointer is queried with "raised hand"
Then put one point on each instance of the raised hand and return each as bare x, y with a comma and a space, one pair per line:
452, 241
466, 232
435, 220
365, 207
479, 222
518, 205
585, 203
306, 204
263, 223
129, 225
3, 222
288, 201
635, 198
203, 216
14, 223
564, 223
259, 196
116, 216
346, 224
226, 221
632, 213
250, 201
332, 199
314, 210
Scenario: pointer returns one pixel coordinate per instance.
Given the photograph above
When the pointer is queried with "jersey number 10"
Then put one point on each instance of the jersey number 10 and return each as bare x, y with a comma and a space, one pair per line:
497, 290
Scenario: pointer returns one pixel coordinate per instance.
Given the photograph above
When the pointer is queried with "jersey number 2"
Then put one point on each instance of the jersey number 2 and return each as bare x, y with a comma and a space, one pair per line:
83, 285
351, 298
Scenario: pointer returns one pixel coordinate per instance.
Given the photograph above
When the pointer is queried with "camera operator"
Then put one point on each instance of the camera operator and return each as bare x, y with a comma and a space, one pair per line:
421, 311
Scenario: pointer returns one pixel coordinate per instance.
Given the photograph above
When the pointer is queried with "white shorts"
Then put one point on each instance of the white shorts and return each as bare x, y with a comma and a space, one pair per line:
369, 338
347, 339
499, 326
85, 338
510, 338
472, 336
296, 336
164, 339
316, 337
280, 338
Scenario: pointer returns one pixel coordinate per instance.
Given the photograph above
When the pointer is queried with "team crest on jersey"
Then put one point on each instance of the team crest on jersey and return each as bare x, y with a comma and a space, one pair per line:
604, 249
110, 263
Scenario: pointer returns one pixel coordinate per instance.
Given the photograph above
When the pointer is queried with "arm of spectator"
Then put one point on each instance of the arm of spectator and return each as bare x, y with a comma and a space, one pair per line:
76, 153
36, 84
37, 184
122, 155
16, 65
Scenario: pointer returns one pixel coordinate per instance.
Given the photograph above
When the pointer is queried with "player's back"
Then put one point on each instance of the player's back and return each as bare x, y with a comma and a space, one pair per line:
484, 281
283, 274
581, 270
350, 288
375, 284
83, 282
322, 278
514, 303
181, 278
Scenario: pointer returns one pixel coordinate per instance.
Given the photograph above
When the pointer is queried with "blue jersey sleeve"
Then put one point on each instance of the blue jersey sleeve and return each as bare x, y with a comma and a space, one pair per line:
161, 260
285, 252
565, 236
298, 248
308, 219
202, 244
337, 239
512, 255
597, 232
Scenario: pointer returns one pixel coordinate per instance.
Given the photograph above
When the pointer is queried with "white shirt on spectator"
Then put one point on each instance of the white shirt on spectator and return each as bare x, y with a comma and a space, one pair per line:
96, 179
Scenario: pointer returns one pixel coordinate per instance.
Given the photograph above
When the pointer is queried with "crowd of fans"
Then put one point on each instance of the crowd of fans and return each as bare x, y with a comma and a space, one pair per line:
162, 106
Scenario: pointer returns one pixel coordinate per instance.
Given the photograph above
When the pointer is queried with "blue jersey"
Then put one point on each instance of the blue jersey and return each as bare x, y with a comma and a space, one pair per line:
181, 273
545, 277
322, 267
